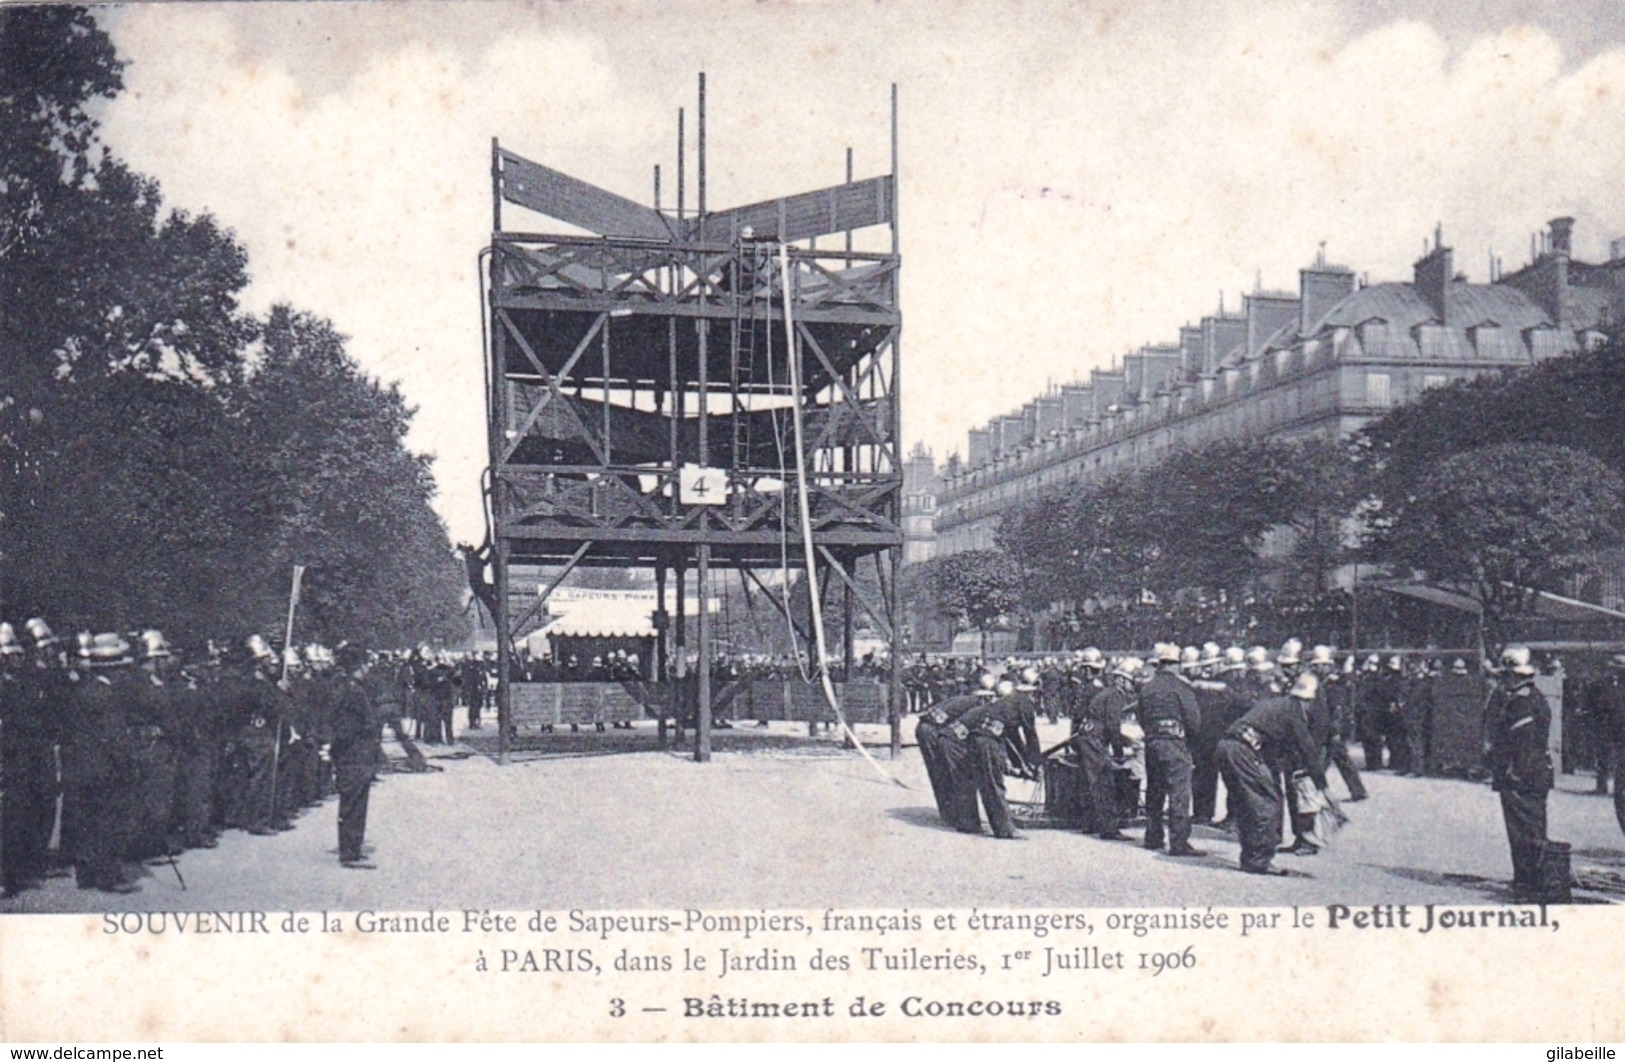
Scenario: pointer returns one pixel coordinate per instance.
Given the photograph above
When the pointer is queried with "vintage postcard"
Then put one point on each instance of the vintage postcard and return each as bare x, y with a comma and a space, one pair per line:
826, 521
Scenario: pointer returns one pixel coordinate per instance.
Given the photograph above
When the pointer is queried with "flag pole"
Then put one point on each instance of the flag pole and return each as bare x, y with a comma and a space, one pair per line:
282, 684
293, 606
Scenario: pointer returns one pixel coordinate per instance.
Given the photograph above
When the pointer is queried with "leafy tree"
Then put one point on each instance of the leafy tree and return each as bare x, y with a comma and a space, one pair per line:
335, 488
1321, 490
1509, 520
160, 461
976, 588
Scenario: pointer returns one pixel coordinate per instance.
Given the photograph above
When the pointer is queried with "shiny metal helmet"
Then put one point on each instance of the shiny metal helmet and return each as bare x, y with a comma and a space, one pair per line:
1518, 660
41, 633
153, 645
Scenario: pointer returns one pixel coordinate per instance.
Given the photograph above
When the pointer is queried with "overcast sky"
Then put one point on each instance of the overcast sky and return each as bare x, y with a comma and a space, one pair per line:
1076, 179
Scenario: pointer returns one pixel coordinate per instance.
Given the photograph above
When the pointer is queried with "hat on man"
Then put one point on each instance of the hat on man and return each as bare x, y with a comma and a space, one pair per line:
154, 645
9, 646
41, 633
1304, 687
105, 650
1517, 659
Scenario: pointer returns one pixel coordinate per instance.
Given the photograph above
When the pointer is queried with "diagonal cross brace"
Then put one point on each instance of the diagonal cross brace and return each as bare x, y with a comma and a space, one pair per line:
863, 599
553, 389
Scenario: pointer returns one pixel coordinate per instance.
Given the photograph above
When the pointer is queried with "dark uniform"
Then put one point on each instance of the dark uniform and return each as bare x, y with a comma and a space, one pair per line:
1318, 717
1272, 738
28, 768
197, 737
1097, 734
1387, 691
977, 749
356, 751
474, 689
256, 730
1517, 724
1339, 695
1169, 714
934, 721
1416, 715
1212, 694
1607, 712
96, 774
150, 757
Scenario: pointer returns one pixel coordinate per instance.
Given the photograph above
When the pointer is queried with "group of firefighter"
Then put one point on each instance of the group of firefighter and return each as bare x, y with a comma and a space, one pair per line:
1269, 725
124, 749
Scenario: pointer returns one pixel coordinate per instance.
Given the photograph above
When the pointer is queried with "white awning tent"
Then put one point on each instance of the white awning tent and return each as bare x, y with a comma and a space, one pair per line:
602, 614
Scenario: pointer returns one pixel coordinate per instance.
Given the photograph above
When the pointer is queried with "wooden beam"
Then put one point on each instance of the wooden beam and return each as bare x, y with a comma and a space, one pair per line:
852, 587
576, 202
541, 598
553, 388
775, 601
855, 205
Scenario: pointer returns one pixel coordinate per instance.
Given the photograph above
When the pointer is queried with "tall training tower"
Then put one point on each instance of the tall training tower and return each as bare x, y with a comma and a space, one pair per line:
643, 389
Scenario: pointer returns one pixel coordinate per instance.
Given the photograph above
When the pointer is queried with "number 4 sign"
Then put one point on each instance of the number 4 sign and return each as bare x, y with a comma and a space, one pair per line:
697, 485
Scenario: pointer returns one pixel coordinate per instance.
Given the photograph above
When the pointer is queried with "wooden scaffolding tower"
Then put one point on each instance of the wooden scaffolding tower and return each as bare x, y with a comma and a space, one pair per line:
640, 398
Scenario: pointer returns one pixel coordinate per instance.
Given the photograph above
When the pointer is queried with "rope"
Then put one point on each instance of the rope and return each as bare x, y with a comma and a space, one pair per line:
804, 510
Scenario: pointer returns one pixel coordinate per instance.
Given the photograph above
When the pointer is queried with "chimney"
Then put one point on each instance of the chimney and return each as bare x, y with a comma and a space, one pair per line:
1433, 277
980, 447
1319, 289
1562, 240
1190, 352
1562, 234
1267, 313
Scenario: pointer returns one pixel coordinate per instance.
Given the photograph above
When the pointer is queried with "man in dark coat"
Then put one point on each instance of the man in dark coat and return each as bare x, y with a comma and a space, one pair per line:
1337, 693
256, 720
151, 740
95, 763
929, 733
30, 706
1097, 734
1169, 715
977, 749
1272, 739
355, 752
1517, 725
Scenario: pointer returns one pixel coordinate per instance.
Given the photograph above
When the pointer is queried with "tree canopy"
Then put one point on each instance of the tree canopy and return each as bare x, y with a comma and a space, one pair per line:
1509, 520
165, 457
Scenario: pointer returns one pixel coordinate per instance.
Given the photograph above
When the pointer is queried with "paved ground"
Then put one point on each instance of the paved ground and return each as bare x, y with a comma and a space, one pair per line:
776, 821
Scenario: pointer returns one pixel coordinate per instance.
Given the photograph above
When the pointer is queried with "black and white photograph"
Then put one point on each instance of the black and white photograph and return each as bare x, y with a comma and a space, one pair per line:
758, 512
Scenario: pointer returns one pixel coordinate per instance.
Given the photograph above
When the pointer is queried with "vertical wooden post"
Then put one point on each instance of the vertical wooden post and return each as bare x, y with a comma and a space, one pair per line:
702, 731
894, 695
895, 701
662, 632
680, 669
846, 619
505, 661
